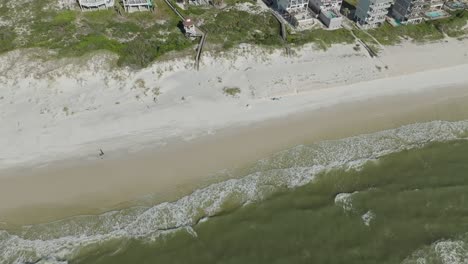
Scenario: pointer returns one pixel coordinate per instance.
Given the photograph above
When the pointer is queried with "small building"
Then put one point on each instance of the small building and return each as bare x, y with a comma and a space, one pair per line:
137, 5
371, 13
331, 18
409, 11
95, 4
319, 5
190, 28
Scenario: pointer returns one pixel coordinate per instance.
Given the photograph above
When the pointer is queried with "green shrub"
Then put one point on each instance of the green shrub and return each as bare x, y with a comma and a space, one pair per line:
7, 37
232, 91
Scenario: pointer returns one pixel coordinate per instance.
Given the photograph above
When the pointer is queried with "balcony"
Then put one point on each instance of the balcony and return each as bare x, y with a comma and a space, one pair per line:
380, 6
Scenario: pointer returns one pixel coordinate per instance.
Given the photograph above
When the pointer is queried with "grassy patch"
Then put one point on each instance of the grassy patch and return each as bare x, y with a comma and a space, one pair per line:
231, 91
426, 31
230, 28
142, 37
454, 26
138, 38
322, 38
7, 36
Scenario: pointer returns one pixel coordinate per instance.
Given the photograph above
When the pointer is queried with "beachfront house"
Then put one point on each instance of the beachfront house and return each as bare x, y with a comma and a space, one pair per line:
290, 5
137, 5
95, 4
329, 12
371, 13
409, 11
331, 18
319, 5
295, 11
455, 5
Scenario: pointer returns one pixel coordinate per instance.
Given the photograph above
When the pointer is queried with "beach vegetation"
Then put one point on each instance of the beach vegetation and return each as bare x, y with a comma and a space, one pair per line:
322, 38
156, 91
141, 38
232, 91
229, 28
454, 26
7, 36
66, 110
136, 38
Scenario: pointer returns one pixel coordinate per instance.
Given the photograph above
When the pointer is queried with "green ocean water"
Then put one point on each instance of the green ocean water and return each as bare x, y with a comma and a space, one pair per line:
406, 207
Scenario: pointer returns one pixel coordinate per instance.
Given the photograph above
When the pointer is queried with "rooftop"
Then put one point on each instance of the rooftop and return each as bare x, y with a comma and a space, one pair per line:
95, 2
188, 22
137, 2
332, 14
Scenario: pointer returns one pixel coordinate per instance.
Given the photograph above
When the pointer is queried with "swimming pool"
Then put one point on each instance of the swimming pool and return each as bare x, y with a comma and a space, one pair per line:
436, 14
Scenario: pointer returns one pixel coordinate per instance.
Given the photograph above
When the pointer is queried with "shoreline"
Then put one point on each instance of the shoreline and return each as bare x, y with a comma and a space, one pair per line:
52, 193
164, 151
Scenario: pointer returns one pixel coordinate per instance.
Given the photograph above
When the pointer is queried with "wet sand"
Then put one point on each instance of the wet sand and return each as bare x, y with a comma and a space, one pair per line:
68, 188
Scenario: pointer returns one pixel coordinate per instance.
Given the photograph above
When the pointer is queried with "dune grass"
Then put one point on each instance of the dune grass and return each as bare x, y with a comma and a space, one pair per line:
424, 32
228, 28
141, 38
322, 38
137, 38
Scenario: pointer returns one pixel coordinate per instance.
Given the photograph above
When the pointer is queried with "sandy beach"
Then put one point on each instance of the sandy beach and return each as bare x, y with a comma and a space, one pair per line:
168, 129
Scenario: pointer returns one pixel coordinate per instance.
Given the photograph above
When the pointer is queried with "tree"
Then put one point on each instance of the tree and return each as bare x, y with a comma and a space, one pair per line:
346, 12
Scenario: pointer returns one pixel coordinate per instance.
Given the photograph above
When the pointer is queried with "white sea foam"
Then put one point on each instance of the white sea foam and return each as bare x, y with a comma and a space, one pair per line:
443, 252
368, 217
344, 200
452, 252
61, 240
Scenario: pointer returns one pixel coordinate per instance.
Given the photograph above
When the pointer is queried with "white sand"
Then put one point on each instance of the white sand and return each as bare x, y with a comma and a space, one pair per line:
73, 107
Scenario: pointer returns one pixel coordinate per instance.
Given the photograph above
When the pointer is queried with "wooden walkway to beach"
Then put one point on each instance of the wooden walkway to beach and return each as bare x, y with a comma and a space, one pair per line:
202, 38
350, 28
283, 32
199, 50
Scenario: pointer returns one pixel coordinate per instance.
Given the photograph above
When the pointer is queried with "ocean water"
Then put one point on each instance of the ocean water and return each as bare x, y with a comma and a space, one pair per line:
396, 196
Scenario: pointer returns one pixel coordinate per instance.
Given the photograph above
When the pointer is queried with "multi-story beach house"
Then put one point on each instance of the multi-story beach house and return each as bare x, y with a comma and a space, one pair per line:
295, 11
137, 5
409, 11
371, 13
319, 5
435, 4
95, 4
329, 11
291, 5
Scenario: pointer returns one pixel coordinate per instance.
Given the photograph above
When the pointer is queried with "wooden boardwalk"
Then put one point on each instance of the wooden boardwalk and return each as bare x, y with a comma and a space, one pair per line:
202, 39
283, 32
199, 50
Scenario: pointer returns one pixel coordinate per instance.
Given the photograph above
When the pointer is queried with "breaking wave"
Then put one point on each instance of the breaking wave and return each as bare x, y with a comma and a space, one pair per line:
63, 240
443, 252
